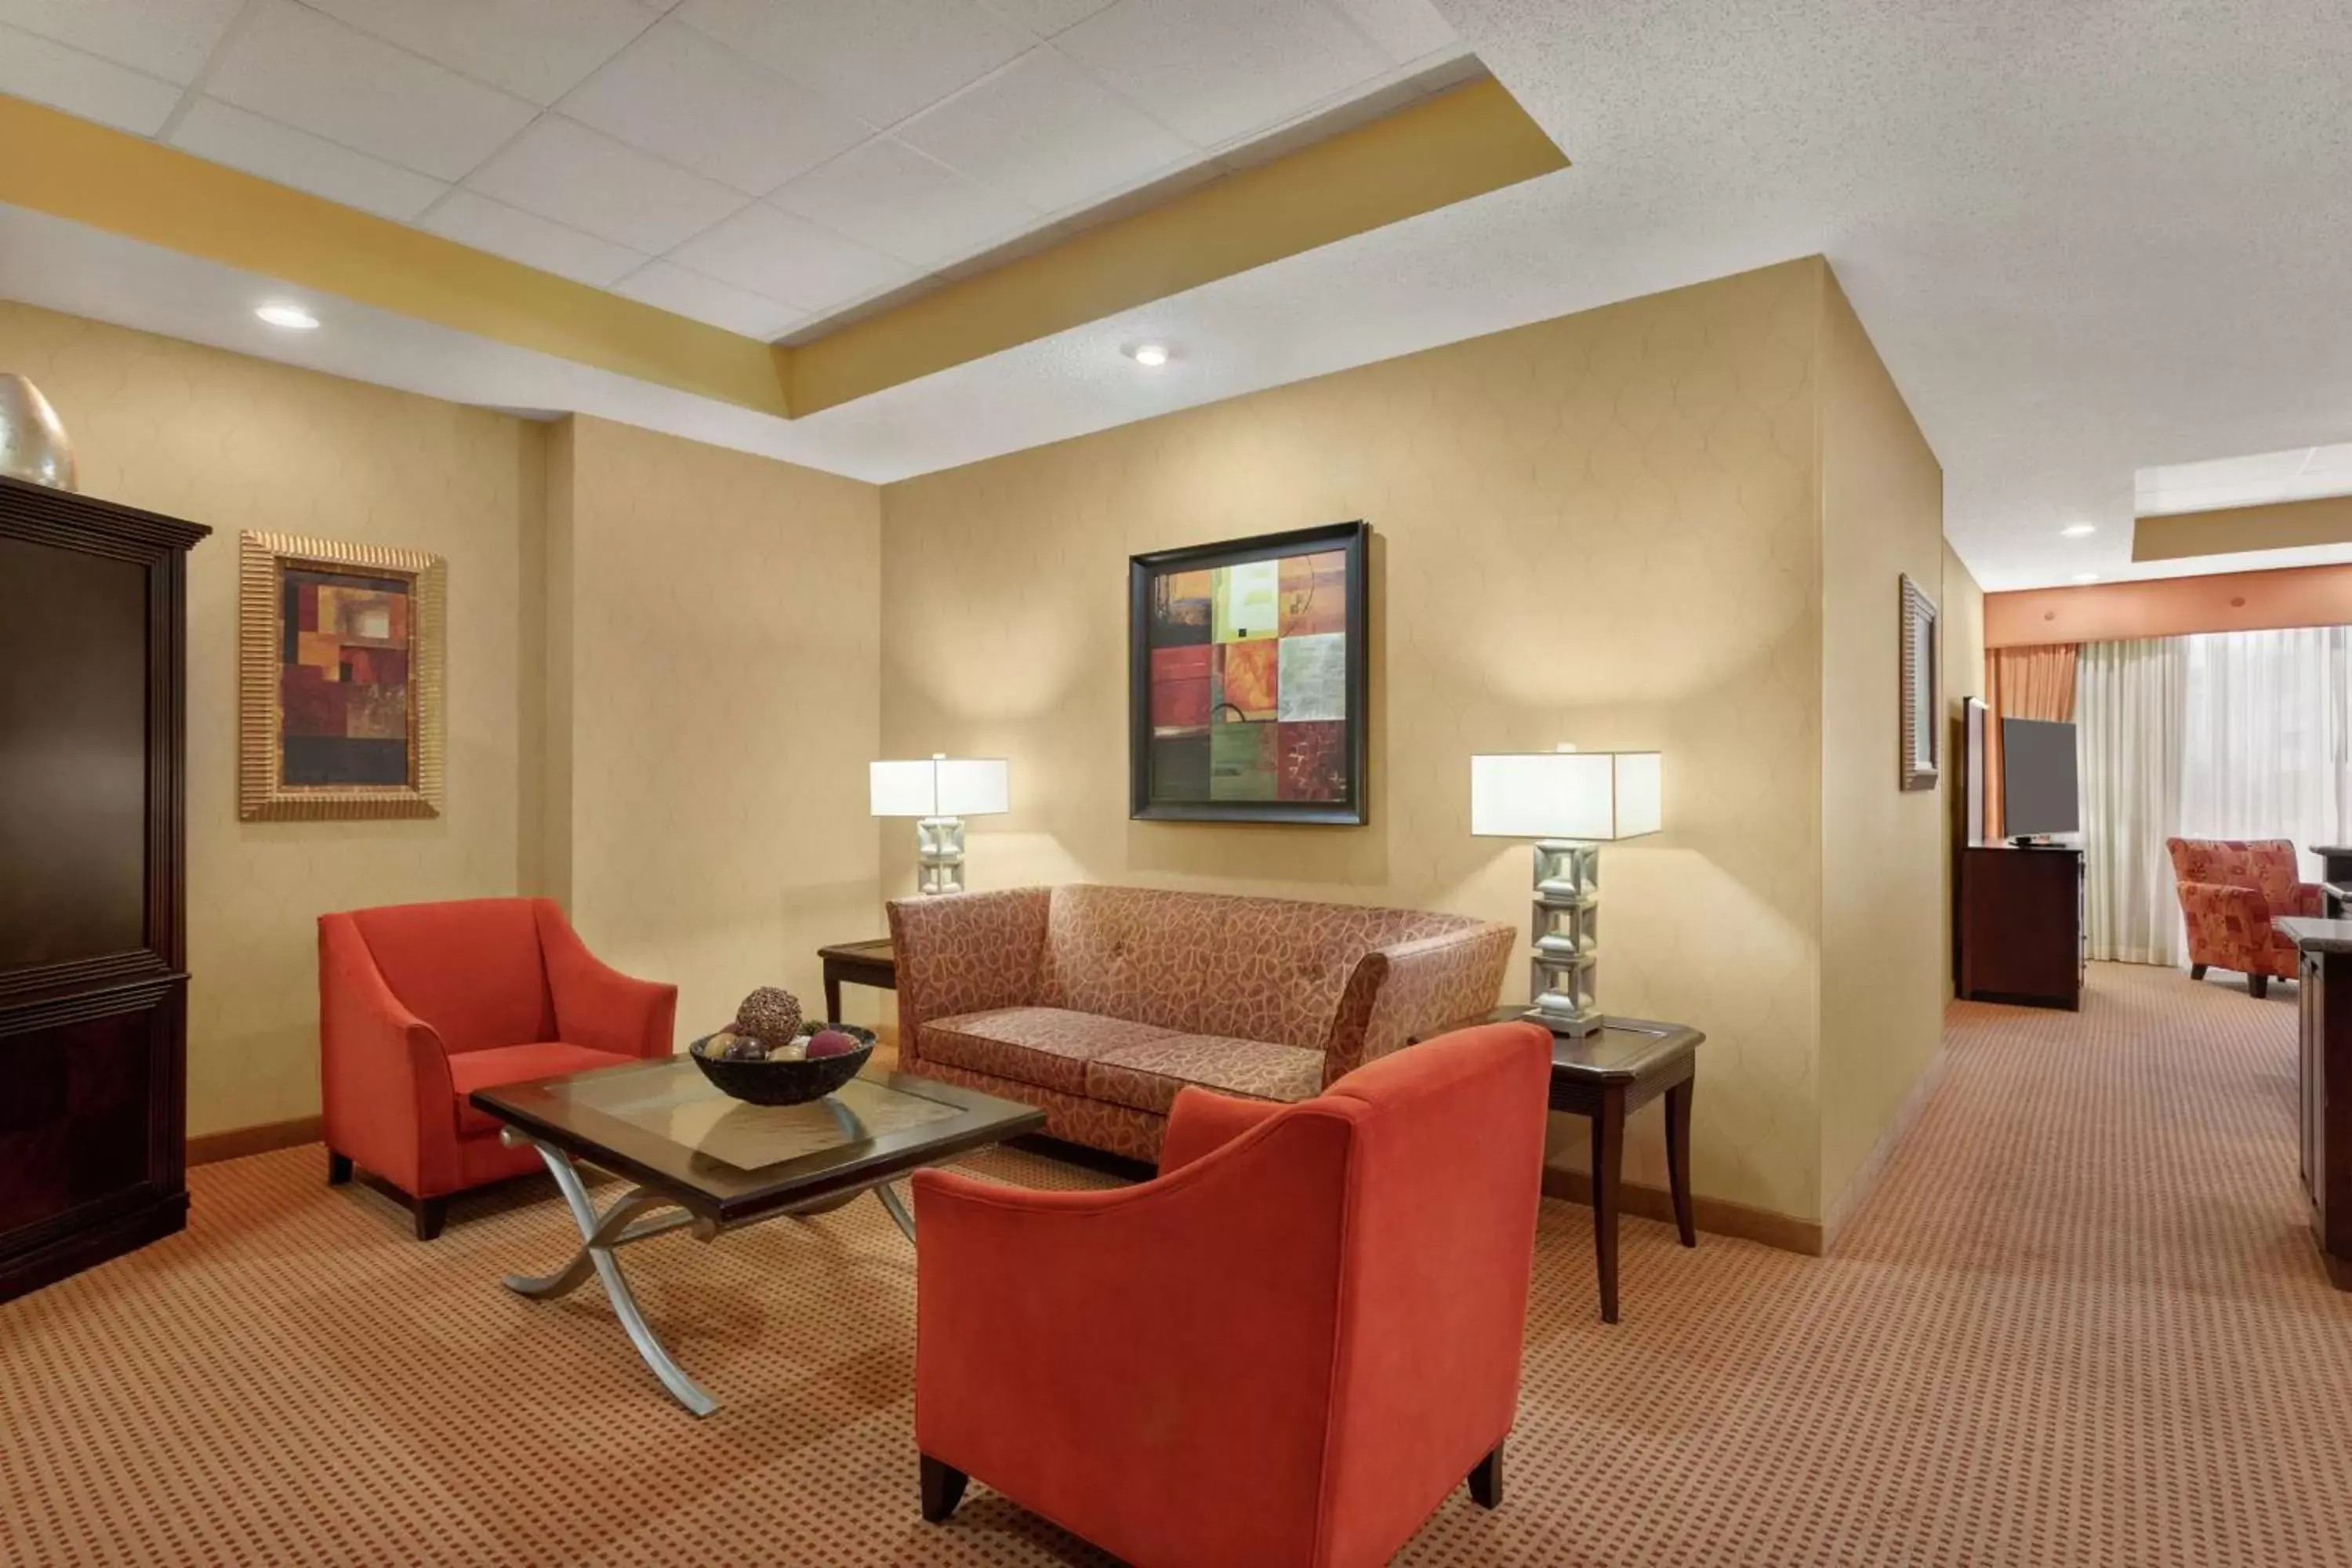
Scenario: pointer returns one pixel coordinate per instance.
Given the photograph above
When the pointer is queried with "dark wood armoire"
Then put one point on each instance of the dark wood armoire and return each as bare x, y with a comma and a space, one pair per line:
93, 988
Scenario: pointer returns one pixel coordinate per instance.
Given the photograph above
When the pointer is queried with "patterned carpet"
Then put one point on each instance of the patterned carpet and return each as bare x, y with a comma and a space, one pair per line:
2081, 1323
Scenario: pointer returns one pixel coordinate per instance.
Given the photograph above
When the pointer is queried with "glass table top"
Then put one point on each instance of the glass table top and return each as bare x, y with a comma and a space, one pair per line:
666, 1125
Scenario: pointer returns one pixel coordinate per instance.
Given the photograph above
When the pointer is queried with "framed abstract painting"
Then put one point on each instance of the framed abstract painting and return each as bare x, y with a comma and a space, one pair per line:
1247, 666
340, 680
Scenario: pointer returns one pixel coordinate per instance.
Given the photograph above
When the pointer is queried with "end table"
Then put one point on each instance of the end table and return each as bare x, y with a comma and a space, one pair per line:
1620, 1067
859, 963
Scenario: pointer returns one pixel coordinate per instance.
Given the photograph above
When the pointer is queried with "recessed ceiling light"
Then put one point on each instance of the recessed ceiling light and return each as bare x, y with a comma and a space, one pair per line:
293, 318
1150, 356
2086, 576
2079, 530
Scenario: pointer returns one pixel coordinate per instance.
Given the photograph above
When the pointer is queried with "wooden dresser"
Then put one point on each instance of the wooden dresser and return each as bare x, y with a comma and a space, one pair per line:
2324, 1085
2020, 926
93, 995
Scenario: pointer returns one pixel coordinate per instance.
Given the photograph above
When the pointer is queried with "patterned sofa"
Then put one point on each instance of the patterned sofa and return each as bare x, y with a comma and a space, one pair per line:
2231, 890
1098, 1003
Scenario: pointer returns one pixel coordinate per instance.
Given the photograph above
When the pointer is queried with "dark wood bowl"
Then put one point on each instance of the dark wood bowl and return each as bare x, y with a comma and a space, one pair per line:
786, 1083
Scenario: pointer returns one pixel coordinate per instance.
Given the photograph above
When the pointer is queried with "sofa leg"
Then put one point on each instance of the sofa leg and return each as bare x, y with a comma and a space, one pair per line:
943, 1489
1486, 1479
339, 1168
430, 1214
2196, 972
2258, 986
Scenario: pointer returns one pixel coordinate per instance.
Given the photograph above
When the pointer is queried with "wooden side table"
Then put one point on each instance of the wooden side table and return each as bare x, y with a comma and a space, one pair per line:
858, 964
1619, 1067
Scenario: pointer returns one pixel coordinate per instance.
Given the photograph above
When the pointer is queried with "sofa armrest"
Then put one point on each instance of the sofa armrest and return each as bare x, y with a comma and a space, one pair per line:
385, 1095
597, 1005
1202, 1122
1413, 989
964, 953
1112, 1356
2310, 901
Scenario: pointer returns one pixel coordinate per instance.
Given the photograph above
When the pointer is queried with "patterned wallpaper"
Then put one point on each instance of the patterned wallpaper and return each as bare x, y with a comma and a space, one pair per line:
724, 695
1602, 529
235, 443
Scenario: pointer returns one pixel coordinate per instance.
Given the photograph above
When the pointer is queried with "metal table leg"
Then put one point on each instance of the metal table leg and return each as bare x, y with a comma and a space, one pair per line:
599, 1236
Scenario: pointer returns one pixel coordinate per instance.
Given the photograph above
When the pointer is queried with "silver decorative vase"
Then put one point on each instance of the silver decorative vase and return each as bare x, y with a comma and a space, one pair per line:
33, 441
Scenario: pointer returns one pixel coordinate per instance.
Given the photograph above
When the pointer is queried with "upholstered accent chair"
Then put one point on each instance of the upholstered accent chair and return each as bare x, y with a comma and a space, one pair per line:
1096, 1004
421, 1004
2231, 890
1285, 1350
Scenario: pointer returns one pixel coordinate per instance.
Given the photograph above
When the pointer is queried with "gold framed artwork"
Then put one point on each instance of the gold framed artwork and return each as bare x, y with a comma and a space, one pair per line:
339, 679
1922, 723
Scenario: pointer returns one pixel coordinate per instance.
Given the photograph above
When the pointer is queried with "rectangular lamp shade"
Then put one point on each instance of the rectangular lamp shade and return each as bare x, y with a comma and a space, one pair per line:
940, 786
1565, 794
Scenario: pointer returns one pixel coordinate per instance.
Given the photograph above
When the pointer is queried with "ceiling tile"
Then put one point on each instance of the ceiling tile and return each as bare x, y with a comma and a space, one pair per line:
1403, 29
677, 93
561, 170
519, 235
1045, 18
880, 60
168, 38
1041, 131
229, 135
786, 257
537, 49
82, 84
896, 199
306, 71
689, 293
1216, 70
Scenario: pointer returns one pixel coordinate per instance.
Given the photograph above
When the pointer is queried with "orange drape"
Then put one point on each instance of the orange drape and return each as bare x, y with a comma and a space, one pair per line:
2023, 683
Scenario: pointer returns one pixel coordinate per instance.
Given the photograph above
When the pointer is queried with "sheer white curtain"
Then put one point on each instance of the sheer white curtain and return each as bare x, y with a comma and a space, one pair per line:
2131, 704
2269, 737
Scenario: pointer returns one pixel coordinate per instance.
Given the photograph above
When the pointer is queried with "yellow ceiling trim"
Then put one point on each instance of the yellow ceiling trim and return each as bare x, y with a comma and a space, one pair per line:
126, 184
2229, 531
1430, 154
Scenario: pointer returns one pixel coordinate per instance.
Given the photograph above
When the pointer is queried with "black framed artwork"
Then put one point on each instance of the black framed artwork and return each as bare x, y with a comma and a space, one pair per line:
1247, 676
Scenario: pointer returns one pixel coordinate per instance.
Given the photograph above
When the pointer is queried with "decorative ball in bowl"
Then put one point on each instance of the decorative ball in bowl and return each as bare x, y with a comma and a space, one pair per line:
809, 1066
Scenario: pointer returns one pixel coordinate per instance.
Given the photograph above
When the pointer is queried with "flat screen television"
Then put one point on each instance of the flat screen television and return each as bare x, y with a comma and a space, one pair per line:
2039, 790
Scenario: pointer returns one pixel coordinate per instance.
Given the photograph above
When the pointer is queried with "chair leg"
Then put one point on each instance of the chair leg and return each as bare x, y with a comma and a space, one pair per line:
1486, 1479
943, 1486
339, 1168
2196, 972
430, 1214
2258, 986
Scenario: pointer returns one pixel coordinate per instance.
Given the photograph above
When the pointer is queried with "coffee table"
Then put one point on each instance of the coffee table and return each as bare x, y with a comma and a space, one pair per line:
722, 1165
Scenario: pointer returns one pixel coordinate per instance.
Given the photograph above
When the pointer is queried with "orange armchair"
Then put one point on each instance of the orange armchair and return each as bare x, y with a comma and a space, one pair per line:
420, 1004
2231, 890
1288, 1349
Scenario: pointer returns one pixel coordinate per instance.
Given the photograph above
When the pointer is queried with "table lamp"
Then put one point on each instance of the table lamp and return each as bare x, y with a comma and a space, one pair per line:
1570, 802
940, 792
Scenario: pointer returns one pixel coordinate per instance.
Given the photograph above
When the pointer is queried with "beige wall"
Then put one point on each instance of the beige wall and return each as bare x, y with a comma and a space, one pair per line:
673, 739
238, 443
1883, 932
1963, 628
718, 644
1602, 529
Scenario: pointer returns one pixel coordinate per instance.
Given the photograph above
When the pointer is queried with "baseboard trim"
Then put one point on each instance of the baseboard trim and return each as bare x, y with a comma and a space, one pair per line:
1716, 1217
1864, 1180
209, 1148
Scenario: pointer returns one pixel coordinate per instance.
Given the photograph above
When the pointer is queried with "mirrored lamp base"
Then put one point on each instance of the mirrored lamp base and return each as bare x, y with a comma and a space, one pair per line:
939, 855
1563, 972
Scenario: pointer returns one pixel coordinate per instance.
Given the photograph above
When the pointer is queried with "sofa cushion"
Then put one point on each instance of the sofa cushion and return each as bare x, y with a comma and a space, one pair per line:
1146, 1077
1206, 963
1048, 1046
471, 969
470, 1070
